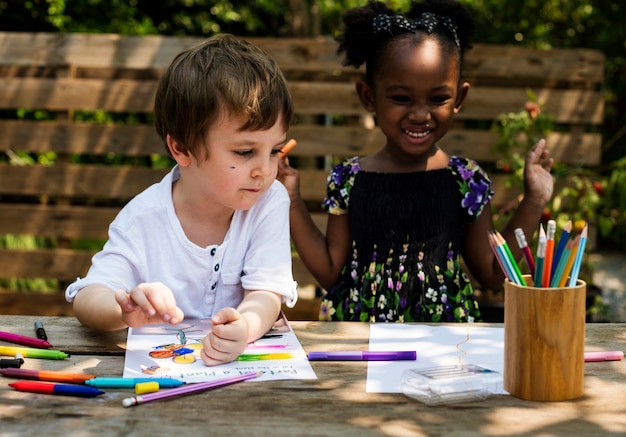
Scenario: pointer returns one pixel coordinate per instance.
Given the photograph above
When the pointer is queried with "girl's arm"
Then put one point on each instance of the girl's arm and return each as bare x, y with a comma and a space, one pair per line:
323, 255
538, 187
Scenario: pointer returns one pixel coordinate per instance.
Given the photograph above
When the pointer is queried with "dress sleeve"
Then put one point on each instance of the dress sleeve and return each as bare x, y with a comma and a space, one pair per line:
474, 185
338, 186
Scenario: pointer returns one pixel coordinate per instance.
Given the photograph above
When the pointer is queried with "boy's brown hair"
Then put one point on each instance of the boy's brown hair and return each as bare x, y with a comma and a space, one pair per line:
223, 73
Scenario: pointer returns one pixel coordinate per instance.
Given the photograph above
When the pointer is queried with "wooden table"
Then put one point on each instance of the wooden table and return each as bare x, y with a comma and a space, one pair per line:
334, 404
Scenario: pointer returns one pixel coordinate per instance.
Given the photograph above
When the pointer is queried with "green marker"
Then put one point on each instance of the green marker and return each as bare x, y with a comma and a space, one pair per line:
31, 352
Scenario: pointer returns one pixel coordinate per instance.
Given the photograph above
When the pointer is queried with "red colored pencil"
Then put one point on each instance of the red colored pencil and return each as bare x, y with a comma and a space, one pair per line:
523, 245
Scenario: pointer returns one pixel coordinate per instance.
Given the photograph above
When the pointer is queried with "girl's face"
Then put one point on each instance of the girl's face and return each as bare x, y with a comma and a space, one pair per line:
240, 167
415, 96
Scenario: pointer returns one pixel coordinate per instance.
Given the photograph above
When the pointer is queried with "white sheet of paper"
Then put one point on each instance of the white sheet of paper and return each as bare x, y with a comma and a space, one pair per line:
183, 342
435, 346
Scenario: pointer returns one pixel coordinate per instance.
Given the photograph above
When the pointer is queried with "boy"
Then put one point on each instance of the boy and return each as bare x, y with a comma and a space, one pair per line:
212, 238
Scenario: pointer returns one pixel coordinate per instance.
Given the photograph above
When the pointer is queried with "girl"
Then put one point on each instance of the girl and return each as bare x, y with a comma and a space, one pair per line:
401, 219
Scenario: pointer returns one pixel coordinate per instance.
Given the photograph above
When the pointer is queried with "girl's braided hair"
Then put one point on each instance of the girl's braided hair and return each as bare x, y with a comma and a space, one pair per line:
364, 41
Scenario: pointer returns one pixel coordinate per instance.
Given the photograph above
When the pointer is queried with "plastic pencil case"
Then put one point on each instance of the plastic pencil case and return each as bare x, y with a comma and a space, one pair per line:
449, 384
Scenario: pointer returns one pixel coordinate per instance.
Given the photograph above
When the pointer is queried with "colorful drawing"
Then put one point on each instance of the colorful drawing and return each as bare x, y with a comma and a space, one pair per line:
181, 352
174, 351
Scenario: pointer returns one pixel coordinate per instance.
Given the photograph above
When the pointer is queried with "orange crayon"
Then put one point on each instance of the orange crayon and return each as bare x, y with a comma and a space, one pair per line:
287, 147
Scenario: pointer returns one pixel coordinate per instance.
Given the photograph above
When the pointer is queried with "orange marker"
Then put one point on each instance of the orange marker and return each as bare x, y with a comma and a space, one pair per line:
286, 148
47, 375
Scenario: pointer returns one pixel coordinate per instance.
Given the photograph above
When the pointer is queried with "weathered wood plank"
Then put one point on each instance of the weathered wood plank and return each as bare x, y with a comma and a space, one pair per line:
572, 106
315, 54
61, 264
82, 181
80, 138
33, 303
60, 221
141, 140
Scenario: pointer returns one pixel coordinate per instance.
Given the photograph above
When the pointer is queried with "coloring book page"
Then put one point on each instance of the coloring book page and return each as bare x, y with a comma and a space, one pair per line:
463, 343
174, 351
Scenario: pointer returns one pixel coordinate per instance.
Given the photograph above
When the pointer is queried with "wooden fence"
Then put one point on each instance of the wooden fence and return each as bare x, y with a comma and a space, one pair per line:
73, 75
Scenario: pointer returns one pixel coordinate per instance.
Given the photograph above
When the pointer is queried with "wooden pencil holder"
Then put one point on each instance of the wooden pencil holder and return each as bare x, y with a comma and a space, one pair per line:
544, 341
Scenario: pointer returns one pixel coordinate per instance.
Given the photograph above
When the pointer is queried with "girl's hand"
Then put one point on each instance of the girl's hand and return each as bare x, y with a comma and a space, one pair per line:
289, 177
228, 337
149, 303
538, 182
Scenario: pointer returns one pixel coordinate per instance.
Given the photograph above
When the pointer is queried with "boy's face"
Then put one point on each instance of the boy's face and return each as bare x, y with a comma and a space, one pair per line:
240, 167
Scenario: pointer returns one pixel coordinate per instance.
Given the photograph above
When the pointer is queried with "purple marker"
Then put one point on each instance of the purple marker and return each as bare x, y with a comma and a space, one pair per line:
362, 356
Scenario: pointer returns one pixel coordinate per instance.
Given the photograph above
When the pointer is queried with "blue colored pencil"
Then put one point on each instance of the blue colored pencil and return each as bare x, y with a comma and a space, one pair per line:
541, 254
573, 278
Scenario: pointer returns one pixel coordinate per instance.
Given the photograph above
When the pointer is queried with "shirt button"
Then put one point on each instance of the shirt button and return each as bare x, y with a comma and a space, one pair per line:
213, 251
217, 267
213, 286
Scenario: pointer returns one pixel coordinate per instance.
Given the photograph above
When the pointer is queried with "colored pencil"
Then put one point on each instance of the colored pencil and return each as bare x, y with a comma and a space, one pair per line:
570, 262
559, 271
573, 278
511, 259
499, 257
558, 251
188, 388
541, 254
523, 245
547, 263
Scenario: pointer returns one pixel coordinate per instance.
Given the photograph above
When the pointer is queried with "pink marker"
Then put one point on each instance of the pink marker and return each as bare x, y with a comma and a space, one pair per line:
604, 356
24, 340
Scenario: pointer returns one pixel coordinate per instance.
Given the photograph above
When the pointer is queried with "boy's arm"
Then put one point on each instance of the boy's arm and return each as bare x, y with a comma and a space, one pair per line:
102, 308
95, 306
233, 329
260, 308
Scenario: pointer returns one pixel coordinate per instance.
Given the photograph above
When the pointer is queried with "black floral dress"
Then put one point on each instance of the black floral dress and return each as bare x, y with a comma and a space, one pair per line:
406, 231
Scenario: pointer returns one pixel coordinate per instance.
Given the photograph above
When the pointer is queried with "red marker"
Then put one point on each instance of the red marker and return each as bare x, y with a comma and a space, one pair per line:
50, 388
24, 340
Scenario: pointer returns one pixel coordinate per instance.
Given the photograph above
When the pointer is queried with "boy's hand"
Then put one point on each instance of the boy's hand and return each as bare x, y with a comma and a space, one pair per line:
228, 337
149, 303
538, 182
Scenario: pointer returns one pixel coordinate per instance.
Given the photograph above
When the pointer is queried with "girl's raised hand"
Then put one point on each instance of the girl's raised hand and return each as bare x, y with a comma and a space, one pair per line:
538, 182
289, 177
